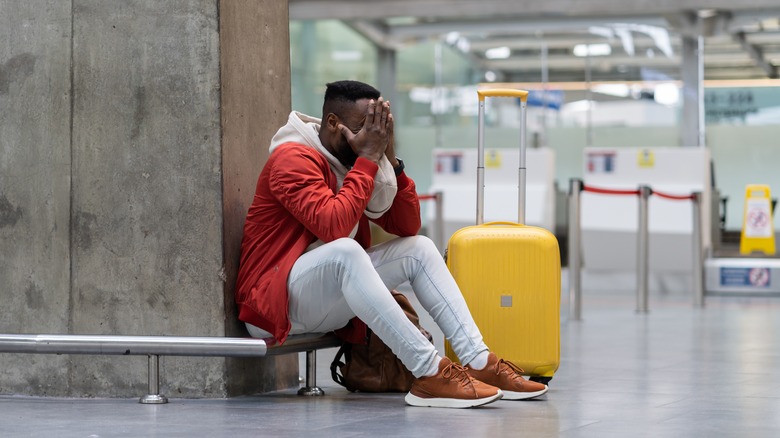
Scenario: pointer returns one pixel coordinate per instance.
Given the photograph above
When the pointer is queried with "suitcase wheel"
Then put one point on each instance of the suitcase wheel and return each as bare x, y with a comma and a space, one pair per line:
541, 379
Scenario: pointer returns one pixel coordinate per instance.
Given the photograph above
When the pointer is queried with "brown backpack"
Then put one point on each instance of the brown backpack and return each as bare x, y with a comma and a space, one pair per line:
373, 367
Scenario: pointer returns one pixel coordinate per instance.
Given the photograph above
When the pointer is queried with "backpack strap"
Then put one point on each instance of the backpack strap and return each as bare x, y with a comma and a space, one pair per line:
337, 365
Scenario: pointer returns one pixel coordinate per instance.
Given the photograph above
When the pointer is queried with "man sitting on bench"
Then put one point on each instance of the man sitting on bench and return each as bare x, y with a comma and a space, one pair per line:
307, 264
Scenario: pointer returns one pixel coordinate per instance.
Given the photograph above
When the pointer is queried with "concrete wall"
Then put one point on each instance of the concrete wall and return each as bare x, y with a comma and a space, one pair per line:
35, 156
112, 167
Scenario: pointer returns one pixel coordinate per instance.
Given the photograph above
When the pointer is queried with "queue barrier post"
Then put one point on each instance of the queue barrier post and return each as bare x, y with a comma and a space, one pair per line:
575, 250
698, 257
437, 235
439, 221
642, 250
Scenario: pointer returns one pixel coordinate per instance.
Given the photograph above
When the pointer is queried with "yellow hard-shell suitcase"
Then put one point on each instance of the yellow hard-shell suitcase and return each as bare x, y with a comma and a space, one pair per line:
510, 274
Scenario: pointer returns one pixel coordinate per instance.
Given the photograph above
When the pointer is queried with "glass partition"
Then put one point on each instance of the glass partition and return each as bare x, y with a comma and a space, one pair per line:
435, 107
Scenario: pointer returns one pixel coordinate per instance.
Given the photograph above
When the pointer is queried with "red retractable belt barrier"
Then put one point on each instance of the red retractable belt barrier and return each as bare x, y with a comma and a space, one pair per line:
425, 197
673, 197
604, 191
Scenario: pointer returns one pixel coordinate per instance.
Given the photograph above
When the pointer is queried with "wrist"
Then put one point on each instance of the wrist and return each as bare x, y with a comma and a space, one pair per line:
374, 158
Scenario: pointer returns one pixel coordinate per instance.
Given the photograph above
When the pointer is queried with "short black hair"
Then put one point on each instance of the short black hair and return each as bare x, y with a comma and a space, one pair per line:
341, 92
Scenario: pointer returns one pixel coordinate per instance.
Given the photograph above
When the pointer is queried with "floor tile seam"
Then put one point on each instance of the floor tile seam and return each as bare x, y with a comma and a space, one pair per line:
580, 426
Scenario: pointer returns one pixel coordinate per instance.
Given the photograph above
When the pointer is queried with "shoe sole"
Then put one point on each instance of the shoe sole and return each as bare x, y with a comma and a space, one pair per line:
512, 395
457, 403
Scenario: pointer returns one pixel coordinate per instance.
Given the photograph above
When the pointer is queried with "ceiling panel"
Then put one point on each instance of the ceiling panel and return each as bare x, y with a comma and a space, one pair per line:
741, 39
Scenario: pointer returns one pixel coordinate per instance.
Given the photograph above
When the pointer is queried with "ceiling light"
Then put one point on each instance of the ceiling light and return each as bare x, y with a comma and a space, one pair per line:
771, 24
707, 13
498, 53
346, 55
463, 45
601, 49
618, 90
666, 94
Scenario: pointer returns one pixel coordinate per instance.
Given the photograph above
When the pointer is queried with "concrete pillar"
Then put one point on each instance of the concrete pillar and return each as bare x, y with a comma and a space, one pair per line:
692, 73
256, 100
131, 137
386, 73
146, 238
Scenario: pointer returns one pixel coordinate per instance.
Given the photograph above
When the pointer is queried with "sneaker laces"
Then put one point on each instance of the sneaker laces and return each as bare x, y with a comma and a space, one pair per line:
456, 372
517, 370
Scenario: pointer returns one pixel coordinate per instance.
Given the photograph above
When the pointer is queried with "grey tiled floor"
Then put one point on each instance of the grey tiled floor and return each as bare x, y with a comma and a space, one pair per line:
675, 372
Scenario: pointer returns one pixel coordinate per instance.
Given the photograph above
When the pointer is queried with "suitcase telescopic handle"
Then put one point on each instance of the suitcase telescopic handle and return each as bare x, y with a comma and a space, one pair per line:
500, 92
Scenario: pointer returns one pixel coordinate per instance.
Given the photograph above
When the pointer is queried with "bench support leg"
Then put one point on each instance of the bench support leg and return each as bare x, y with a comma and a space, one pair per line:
311, 387
153, 395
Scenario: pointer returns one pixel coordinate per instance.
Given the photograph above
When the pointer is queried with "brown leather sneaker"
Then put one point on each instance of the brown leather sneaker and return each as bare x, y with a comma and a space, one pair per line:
452, 387
507, 376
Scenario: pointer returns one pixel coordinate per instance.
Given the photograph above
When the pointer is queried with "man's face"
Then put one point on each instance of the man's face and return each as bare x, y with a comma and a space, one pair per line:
353, 116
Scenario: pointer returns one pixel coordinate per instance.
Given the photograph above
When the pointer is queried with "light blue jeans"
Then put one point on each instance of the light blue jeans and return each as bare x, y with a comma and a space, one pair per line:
331, 284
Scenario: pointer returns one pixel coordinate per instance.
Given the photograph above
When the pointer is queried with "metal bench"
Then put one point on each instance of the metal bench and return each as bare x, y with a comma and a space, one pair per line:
156, 346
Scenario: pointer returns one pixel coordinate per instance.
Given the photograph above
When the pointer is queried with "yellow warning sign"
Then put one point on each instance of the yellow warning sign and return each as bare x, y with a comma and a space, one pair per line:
492, 159
646, 158
758, 233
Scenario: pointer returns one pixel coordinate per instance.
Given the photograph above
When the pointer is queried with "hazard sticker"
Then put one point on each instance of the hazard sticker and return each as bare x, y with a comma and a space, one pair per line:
746, 277
757, 218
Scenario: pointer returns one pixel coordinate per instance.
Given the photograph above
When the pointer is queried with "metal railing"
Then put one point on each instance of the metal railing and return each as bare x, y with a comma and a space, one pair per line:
643, 193
156, 346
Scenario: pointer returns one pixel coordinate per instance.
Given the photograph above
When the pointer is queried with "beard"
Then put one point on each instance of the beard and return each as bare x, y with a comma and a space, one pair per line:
345, 154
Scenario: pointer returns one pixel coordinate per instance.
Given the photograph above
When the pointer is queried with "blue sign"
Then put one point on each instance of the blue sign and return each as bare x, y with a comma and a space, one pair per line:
745, 277
550, 98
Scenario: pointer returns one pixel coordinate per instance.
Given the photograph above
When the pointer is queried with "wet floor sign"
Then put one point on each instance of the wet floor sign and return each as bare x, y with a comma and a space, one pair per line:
758, 232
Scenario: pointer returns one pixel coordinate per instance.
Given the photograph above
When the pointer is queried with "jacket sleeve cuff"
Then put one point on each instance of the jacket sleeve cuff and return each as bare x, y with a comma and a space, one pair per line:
365, 165
403, 181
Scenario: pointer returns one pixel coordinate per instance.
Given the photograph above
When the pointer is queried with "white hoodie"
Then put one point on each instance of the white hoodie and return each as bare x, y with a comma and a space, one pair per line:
304, 129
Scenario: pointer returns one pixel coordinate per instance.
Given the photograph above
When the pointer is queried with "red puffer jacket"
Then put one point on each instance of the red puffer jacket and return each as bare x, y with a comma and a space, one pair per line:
297, 202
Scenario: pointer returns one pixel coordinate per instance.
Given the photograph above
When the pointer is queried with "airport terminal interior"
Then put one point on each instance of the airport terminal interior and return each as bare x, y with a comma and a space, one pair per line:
651, 134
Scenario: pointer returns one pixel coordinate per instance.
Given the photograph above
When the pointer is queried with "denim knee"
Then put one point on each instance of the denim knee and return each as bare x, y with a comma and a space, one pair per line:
347, 249
421, 245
